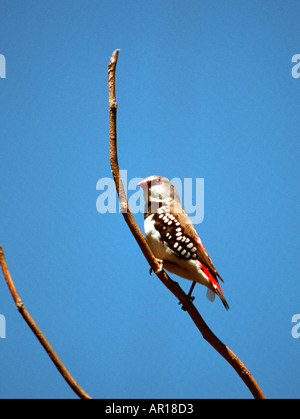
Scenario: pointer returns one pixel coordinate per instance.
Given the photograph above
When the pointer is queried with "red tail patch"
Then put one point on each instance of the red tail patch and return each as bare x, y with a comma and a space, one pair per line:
213, 280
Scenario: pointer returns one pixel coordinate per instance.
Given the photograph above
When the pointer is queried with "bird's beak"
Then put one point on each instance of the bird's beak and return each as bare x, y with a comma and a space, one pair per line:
144, 183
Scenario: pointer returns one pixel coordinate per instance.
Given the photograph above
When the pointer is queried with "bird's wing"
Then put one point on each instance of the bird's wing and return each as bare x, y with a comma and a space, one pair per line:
177, 230
202, 254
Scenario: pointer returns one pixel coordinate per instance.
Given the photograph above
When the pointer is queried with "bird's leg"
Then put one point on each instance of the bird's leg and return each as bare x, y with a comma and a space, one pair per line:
161, 266
191, 299
191, 290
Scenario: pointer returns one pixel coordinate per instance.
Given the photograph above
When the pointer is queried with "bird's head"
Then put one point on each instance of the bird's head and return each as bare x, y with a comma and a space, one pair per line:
159, 190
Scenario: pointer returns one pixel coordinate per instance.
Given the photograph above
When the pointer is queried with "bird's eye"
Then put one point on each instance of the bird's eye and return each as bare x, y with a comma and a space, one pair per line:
158, 181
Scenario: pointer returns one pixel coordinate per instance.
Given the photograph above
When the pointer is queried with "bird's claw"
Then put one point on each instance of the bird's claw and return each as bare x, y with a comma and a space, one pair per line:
161, 266
185, 306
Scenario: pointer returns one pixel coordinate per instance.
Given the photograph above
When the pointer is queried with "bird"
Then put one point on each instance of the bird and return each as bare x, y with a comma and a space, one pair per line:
173, 238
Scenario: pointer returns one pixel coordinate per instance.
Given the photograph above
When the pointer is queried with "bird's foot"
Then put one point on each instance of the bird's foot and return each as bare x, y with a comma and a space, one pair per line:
189, 296
186, 306
161, 266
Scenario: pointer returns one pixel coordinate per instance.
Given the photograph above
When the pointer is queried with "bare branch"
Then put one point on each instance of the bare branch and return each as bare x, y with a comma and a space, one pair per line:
38, 333
173, 286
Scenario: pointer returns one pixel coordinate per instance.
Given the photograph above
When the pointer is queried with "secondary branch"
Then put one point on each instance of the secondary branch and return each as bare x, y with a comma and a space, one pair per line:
37, 331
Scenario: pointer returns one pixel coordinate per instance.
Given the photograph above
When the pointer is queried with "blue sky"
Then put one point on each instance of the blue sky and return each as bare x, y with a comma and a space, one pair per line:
204, 90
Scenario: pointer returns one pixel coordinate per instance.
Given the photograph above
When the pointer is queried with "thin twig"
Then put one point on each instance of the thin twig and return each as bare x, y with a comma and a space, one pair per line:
37, 331
173, 286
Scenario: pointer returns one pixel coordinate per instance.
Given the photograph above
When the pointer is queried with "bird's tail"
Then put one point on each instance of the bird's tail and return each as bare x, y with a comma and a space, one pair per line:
215, 287
211, 297
223, 299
